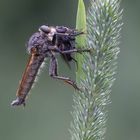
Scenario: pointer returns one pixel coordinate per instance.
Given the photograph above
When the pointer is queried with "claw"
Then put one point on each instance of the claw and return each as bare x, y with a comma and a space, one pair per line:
18, 101
73, 84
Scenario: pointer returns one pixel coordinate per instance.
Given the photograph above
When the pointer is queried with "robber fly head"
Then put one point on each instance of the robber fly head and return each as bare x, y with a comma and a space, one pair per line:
48, 31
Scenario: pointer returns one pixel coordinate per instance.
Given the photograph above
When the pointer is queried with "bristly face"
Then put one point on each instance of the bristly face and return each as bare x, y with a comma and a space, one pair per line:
65, 40
65, 43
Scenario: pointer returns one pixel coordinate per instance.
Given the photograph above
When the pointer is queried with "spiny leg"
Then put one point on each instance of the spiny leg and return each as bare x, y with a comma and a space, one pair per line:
53, 73
71, 51
70, 34
76, 50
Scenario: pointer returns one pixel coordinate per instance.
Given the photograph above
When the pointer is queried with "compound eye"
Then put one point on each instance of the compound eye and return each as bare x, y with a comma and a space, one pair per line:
61, 29
45, 29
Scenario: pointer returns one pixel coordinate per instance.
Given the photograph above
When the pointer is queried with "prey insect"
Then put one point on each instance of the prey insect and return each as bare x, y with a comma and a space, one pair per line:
47, 42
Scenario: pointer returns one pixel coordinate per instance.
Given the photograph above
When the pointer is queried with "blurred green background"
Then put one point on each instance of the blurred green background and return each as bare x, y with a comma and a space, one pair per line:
47, 114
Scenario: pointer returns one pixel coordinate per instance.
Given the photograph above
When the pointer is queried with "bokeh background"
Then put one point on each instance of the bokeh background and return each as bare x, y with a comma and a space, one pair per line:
47, 114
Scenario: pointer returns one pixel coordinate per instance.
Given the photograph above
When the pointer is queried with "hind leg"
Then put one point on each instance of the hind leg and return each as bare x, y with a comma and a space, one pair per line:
53, 73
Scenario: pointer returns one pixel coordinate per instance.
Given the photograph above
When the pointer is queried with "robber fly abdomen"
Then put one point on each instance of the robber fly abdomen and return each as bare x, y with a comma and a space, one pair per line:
28, 78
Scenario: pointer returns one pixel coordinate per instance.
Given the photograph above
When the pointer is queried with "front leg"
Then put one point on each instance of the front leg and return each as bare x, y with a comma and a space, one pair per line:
76, 50
57, 50
53, 73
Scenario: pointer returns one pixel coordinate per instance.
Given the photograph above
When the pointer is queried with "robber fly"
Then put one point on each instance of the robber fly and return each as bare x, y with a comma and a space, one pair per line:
47, 42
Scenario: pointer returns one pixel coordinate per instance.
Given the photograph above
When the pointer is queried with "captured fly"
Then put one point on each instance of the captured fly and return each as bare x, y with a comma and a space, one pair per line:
47, 42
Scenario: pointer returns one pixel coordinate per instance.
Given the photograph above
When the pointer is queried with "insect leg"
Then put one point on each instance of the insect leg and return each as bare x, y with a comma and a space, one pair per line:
70, 51
69, 34
76, 50
53, 73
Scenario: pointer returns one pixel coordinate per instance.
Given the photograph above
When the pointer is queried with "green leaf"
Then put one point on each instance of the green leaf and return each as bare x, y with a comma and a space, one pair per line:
81, 40
81, 23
